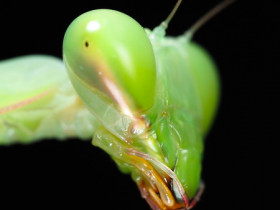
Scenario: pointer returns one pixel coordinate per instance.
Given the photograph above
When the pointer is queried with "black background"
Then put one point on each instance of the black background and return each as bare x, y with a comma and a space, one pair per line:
73, 173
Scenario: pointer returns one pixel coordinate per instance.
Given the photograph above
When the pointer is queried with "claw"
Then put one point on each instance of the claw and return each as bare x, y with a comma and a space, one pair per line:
197, 196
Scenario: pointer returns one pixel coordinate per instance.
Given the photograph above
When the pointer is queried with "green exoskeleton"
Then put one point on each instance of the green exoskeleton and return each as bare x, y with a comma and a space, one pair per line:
148, 100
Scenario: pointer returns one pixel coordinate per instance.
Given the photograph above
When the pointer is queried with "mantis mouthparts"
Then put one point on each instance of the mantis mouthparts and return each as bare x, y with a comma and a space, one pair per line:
160, 186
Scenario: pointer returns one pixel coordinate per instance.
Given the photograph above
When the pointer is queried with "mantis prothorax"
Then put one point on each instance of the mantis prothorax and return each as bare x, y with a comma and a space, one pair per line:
148, 100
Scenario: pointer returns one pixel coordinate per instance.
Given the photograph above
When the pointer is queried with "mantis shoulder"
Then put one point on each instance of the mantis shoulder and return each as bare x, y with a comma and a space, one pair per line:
38, 101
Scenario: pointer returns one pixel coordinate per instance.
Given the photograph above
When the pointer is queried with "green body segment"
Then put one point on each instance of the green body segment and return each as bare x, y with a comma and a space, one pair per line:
37, 101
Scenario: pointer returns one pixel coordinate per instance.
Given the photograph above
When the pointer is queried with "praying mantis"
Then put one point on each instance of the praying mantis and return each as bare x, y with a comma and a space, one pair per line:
142, 127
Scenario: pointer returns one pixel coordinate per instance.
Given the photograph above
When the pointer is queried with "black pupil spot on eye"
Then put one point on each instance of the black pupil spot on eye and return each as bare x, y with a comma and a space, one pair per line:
86, 44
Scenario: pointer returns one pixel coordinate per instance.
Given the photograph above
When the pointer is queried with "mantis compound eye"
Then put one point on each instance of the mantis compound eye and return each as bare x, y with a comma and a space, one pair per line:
110, 53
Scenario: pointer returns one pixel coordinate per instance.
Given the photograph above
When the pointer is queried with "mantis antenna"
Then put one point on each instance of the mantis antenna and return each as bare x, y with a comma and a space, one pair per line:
172, 13
214, 11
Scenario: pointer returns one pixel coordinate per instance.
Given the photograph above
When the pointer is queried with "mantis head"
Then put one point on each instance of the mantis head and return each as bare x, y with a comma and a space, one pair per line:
111, 64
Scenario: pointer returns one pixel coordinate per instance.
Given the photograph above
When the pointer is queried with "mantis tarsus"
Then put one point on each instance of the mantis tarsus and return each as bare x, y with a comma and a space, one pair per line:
142, 162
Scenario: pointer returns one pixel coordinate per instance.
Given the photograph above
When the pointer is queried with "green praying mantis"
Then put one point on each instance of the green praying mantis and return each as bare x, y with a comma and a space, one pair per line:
148, 100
